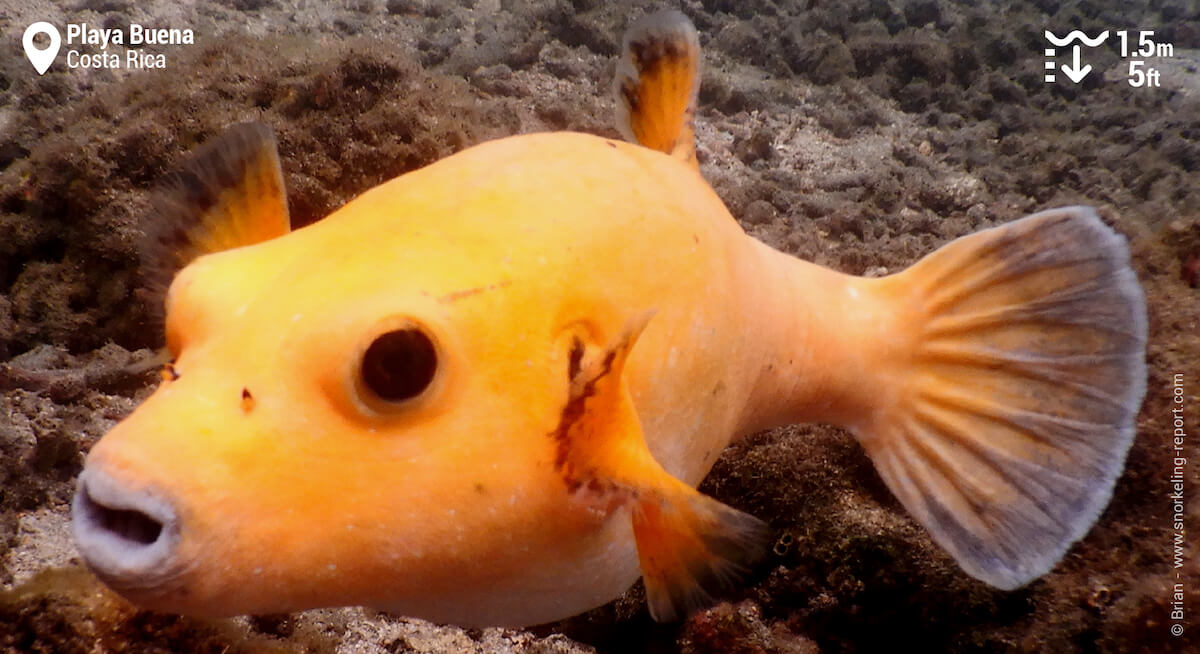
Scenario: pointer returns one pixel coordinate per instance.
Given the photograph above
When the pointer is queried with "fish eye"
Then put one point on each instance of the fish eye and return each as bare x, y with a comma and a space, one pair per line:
399, 364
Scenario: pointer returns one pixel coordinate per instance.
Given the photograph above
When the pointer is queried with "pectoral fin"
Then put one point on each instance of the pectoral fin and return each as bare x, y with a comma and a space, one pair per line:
689, 545
230, 193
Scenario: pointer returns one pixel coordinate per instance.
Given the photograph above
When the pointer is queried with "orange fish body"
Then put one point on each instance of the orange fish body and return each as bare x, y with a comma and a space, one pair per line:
483, 392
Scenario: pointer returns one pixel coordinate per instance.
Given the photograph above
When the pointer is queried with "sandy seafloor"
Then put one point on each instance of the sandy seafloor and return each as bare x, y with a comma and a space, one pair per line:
860, 135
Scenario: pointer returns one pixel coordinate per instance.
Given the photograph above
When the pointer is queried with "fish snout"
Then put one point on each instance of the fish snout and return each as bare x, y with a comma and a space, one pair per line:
129, 537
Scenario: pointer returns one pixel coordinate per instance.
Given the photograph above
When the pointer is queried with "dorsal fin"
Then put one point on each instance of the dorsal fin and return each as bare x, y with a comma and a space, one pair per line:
230, 193
657, 82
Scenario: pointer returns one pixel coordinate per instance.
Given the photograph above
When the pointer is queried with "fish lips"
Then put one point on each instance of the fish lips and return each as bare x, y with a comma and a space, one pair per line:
128, 537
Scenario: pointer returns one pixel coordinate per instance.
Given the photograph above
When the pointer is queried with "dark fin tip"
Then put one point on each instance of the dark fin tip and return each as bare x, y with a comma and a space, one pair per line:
711, 546
186, 207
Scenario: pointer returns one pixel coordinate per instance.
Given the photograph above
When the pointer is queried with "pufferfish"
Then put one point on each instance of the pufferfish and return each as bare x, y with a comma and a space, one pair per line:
484, 392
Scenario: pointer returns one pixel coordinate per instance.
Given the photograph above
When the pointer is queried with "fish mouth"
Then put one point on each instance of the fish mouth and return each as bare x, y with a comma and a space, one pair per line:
127, 537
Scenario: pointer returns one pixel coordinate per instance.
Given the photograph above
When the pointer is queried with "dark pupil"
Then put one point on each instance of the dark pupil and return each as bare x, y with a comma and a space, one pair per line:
399, 364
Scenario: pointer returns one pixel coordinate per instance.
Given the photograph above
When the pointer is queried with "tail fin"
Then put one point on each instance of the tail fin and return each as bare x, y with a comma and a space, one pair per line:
657, 82
1013, 419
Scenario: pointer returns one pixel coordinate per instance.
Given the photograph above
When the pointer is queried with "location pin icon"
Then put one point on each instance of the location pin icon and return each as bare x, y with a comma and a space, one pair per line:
41, 59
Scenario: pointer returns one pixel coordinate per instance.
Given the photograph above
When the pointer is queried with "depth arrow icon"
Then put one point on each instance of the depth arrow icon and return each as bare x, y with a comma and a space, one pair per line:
1074, 72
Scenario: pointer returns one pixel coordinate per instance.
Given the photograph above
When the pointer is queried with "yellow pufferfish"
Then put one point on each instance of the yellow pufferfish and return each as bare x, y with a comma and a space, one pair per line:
483, 392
